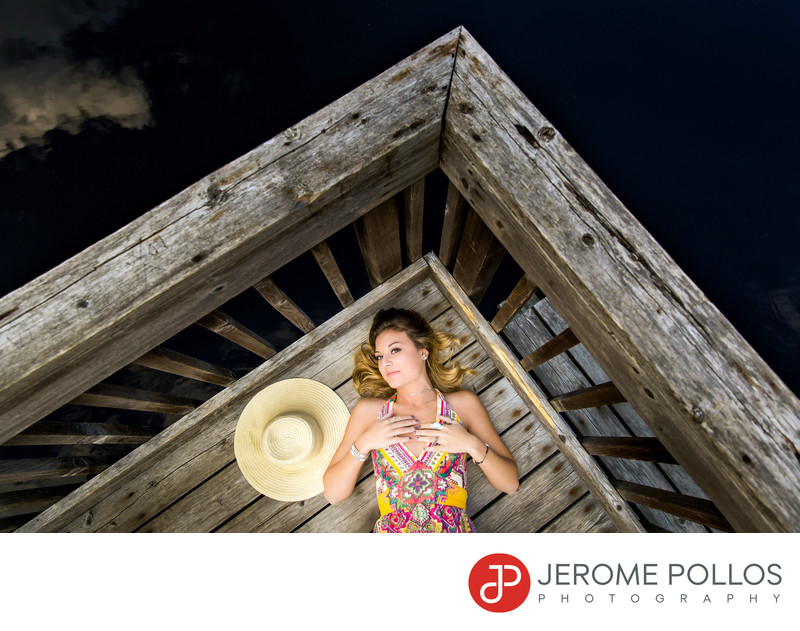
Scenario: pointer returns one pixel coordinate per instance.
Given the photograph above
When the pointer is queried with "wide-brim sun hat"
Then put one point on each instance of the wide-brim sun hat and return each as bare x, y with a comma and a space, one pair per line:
286, 437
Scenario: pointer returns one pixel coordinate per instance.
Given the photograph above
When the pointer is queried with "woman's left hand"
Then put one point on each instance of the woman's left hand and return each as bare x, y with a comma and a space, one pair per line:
446, 436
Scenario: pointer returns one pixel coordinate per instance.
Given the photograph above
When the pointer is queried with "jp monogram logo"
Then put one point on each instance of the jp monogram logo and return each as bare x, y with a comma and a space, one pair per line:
499, 582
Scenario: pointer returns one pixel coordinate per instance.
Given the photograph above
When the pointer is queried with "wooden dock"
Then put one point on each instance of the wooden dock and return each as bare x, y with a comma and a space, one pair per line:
629, 402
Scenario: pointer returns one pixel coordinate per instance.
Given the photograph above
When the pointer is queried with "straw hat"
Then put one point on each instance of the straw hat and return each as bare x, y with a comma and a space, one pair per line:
286, 437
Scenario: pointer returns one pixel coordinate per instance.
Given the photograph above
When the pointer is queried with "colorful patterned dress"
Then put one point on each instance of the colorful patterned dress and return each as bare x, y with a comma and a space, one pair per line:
425, 494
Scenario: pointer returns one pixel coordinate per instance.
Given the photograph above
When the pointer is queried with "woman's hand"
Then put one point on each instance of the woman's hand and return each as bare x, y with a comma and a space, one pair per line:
448, 436
388, 431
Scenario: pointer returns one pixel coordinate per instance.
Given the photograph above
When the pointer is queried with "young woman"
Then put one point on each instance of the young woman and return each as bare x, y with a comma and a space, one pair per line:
419, 439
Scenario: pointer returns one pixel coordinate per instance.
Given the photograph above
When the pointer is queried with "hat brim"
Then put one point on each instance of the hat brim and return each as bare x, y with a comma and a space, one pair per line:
300, 479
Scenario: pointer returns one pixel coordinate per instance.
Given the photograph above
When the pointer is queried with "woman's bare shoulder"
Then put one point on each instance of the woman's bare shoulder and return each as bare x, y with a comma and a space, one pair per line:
463, 397
367, 406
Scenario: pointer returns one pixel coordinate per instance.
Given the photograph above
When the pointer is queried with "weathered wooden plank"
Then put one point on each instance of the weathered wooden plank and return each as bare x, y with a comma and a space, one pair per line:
559, 344
479, 256
541, 497
713, 402
45, 433
178, 473
275, 296
94, 314
27, 469
628, 447
170, 361
378, 234
31, 501
581, 357
455, 211
121, 397
589, 397
518, 297
566, 440
178, 450
530, 445
414, 206
691, 508
233, 330
327, 263
584, 516
202, 510
527, 332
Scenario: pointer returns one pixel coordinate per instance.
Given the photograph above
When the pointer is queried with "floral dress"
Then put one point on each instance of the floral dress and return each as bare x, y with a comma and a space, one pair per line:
425, 494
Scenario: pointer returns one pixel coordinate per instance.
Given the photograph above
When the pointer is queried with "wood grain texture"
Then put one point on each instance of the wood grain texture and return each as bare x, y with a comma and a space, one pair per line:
67, 330
691, 508
275, 296
566, 440
455, 211
521, 293
528, 331
561, 343
479, 256
210, 424
46, 433
121, 397
170, 361
414, 207
378, 234
714, 403
588, 397
627, 447
231, 329
327, 263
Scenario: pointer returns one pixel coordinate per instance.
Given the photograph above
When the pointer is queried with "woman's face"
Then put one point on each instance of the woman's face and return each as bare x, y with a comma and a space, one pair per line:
399, 360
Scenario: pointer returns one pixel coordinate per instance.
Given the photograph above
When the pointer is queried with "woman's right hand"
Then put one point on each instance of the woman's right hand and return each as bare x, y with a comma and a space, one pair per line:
387, 431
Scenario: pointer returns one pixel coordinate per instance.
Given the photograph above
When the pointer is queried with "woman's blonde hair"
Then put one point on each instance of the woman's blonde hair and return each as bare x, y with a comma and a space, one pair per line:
445, 374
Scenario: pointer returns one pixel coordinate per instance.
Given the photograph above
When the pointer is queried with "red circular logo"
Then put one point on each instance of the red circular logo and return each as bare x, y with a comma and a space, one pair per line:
499, 582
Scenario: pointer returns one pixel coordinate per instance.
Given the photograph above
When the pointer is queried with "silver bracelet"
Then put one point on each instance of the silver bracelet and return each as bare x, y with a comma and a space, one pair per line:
484, 455
356, 453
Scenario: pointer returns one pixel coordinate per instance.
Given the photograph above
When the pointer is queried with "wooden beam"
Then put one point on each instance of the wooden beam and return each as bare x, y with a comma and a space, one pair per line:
123, 398
327, 263
479, 256
45, 433
565, 439
704, 392
94, 314
414, 205
31, 501
559, 344
591, 397
455, 210
511, 305
28, 469
170, 361
233, 330
628, 447
275, 296
691, 508
215, 421
378, 234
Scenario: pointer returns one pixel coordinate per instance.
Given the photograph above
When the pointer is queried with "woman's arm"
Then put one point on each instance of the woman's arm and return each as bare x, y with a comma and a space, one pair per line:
368, 433
472, 436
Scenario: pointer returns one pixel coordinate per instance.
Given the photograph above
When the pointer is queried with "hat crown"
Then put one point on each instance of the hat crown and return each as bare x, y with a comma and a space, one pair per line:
290, 438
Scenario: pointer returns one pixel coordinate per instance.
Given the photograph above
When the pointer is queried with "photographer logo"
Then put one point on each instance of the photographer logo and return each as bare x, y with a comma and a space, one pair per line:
499, 582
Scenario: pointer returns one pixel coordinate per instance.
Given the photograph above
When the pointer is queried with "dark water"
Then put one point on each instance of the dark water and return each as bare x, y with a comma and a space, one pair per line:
688, 111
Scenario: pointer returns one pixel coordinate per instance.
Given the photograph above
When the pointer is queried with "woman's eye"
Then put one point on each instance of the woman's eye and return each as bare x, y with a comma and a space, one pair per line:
395, 350
378, 357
